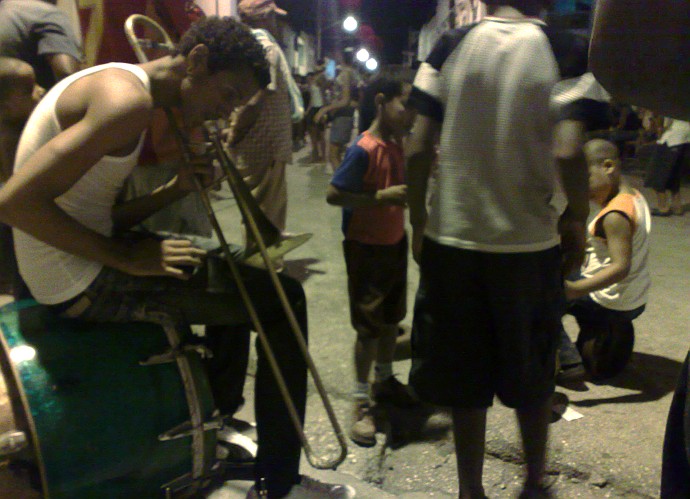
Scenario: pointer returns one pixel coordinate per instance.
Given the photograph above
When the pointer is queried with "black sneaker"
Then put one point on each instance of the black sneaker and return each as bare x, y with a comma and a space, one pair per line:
392, 391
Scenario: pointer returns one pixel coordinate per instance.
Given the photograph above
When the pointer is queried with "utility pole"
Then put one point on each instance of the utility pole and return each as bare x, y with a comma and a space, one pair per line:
319, 27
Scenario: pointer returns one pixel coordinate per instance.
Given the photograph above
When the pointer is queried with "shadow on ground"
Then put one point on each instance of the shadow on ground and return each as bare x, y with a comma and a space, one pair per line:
301, 269
651, 376
422, 423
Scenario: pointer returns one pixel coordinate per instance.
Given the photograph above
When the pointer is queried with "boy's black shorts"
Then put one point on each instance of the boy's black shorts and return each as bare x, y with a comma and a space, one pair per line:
377, 285
486, 324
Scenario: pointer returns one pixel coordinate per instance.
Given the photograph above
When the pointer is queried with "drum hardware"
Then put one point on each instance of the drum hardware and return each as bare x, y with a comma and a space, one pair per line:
264, 233
186, 429
200, 464
172, 354
12, 442
84, 444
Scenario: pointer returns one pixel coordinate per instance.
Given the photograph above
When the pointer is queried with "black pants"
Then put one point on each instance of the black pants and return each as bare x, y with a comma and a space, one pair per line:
211, 298
675, 468
665, 167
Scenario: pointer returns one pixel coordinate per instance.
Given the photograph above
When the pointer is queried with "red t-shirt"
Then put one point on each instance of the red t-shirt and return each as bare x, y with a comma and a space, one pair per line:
372, 164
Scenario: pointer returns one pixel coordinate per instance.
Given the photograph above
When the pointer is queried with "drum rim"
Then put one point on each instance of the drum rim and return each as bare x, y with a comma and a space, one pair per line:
6, 365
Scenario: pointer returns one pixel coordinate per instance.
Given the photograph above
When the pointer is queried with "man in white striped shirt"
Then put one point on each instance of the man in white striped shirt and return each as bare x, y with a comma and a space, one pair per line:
488, 310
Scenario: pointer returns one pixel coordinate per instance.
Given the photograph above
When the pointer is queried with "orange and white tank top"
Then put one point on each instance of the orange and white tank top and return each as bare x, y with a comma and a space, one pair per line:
631, 292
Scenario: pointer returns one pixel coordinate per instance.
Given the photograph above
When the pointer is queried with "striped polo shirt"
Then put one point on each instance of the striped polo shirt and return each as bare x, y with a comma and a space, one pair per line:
491, 85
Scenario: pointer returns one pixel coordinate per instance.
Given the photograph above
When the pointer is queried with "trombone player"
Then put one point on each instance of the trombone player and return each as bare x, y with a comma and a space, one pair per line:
78, 147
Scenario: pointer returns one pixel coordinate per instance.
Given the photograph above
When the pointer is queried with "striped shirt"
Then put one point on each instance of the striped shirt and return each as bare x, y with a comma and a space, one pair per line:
491, 85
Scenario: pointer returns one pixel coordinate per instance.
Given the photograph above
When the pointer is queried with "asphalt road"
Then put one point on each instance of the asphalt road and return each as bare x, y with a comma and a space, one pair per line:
613, 450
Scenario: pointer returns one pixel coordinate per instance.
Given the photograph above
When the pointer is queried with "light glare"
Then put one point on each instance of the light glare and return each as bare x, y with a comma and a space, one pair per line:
362, 55
22, 354
372, 64
350, 24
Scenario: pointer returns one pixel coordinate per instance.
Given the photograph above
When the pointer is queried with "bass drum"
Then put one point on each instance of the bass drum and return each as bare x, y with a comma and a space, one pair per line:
93, 415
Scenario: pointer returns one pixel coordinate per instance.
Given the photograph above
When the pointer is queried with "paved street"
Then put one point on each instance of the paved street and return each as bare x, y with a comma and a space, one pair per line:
614, 450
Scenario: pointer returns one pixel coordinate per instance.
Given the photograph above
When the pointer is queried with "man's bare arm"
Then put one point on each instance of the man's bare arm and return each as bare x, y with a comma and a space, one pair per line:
569, 138
640, 53
62, 65
395, 195
116, 114
420, 154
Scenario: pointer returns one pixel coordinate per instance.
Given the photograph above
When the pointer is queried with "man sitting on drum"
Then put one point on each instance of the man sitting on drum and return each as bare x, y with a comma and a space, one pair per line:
78, 147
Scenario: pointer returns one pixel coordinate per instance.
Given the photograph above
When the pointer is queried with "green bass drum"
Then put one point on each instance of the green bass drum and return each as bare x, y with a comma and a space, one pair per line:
108, 410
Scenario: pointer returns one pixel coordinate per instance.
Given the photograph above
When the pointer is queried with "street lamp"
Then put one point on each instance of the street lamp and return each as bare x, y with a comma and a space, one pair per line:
362, 55
350, 24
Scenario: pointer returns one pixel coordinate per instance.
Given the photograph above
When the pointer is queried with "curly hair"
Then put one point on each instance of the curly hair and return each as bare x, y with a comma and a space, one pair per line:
230, 44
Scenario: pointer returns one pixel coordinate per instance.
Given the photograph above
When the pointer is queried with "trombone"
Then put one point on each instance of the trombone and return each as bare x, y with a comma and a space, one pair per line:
264, 233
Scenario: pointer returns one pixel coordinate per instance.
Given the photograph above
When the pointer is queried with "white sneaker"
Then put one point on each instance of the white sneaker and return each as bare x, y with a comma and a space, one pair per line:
233, 446
310, 488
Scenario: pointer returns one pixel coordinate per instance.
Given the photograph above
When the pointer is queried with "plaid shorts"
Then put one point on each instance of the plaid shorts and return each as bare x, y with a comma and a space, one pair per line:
486, 324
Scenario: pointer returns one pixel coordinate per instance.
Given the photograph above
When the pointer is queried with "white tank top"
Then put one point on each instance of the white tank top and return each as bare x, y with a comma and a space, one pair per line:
54, 276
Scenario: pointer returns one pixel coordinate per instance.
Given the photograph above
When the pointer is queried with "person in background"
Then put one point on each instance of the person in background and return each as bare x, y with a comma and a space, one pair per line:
370, 186
299, 128
19, 94
260, 134
317, 86
340, 112
666, 167
40, 34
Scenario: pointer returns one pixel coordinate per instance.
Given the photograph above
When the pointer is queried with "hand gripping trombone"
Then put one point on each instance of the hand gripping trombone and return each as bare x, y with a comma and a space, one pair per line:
252, 217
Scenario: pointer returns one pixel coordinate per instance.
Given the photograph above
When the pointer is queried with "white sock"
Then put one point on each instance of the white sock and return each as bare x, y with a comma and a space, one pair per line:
383, 371
361, 391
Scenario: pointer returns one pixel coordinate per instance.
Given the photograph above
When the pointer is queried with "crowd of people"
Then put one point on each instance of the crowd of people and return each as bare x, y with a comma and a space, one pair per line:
501, 235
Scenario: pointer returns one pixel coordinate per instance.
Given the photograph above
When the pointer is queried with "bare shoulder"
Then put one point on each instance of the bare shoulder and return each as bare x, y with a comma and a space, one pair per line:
617, 225
119, 92
107, 111
110, 94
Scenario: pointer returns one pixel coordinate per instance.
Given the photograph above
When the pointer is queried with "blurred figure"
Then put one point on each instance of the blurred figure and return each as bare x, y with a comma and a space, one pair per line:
40, 34
666, 167
19, 94
317, 89
260, 137
340, 112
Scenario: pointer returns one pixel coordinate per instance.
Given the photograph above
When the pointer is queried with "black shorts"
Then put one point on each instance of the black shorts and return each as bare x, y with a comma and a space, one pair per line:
309, 118
486, 324
377, 285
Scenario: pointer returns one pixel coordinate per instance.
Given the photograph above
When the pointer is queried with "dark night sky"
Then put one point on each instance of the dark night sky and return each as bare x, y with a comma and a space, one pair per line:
390, 19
